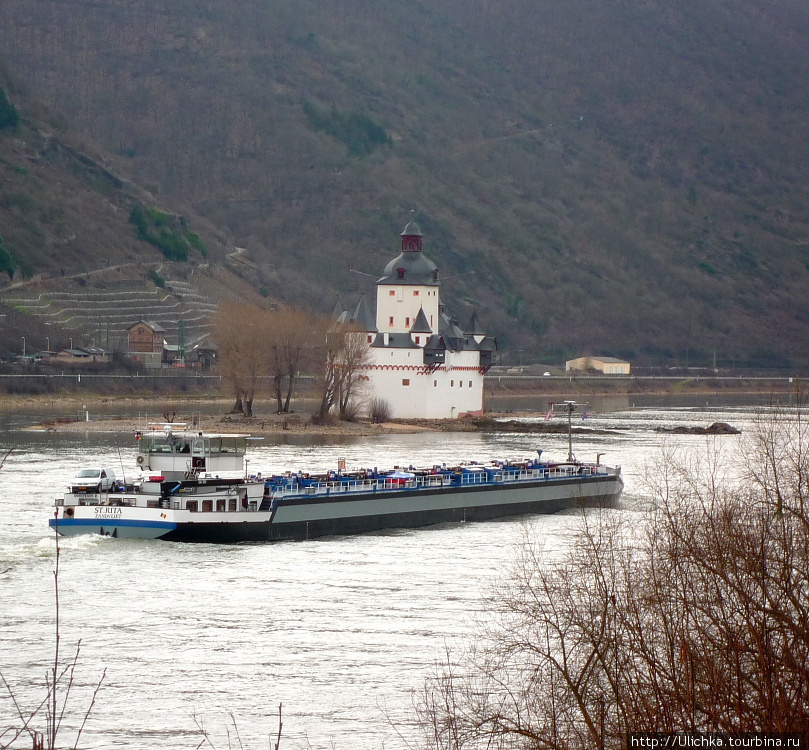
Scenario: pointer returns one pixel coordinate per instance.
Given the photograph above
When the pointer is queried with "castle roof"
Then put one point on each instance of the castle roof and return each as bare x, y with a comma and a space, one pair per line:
409, 268
411, 230
154, 326
395, 341
362, 317
473, 327
420, 324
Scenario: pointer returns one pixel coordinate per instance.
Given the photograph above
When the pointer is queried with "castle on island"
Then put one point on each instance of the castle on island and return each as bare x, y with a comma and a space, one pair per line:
422, 363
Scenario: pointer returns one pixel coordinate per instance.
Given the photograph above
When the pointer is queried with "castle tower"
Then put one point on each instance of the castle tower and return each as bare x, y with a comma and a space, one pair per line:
421, 362
408, 284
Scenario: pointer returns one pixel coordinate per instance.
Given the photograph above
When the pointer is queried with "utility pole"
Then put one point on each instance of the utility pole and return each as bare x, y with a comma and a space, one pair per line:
181, 341
568, 407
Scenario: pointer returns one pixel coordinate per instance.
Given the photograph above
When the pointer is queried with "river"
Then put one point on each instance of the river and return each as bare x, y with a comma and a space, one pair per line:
341, 631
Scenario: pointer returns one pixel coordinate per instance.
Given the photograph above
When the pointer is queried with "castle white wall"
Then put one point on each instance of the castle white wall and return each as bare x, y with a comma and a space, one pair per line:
399, 377
398, 305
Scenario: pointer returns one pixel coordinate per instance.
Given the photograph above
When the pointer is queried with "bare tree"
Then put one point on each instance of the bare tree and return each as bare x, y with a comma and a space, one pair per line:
692, 617
347, 356
241, 333
354, 360
294, 336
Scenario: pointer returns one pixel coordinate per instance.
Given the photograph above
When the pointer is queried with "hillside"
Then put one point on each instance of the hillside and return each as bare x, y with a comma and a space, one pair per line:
73, 265
627, 178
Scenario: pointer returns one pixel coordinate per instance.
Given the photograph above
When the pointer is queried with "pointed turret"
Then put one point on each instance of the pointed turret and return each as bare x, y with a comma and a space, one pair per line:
473, 327
420, 324
362, 317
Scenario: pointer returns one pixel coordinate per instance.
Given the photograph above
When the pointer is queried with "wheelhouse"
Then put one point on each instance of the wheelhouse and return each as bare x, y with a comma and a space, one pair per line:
188, 453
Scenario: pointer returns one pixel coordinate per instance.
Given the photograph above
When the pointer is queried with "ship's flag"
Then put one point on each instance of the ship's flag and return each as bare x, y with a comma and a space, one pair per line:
549, 415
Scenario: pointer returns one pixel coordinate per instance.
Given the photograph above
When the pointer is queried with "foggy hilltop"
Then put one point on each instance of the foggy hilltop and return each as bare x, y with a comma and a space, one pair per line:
622, 178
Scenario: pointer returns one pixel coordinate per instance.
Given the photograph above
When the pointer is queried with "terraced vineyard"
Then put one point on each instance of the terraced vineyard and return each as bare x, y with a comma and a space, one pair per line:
102, 316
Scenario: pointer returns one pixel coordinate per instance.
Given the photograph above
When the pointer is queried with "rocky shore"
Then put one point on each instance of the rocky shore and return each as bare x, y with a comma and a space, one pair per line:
275, 424
279, 424
193, 412
717, 428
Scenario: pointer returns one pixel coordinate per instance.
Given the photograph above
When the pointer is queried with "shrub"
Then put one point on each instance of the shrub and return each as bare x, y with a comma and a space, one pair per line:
380, 411
172, 245
154, 226
197, 244
6, 261
158, 280
9, 117
357, 131
351, 411
159, 218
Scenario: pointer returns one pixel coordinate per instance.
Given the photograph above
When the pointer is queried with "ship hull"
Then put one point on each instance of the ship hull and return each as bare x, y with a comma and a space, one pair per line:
300, 518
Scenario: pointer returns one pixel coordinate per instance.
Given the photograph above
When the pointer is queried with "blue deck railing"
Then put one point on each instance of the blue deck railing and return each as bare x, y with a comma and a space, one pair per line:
288, 487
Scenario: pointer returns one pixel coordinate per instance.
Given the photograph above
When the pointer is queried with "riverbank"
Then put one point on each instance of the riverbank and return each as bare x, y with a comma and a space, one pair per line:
209, 415
103, 412
96, 412
280, 424
38, 386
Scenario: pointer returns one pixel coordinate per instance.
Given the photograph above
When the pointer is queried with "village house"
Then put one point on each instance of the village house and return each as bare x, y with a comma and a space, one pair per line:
78, 355
607, 365
146, 342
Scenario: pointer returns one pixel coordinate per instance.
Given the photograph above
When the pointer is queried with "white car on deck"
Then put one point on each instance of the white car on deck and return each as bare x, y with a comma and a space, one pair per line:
93, 479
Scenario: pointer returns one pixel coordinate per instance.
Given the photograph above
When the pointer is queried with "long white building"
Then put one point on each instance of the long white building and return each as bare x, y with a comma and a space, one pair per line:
422, 363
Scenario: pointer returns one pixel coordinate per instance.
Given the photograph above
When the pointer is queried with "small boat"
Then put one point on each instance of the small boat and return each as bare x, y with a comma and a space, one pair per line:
193, 487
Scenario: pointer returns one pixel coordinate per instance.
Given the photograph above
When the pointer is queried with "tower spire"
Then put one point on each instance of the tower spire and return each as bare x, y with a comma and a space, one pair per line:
411, 238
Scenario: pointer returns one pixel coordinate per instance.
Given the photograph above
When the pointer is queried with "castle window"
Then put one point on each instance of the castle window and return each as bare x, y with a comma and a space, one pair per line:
407, 322
405, 381
470, 383
392, 293
435, 384
418, 339
370, 339
400, 273
451, 383
415, 292
460, 384
390, 320
435, 275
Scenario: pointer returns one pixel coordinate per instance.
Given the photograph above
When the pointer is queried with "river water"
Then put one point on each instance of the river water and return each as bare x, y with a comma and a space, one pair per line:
341, 631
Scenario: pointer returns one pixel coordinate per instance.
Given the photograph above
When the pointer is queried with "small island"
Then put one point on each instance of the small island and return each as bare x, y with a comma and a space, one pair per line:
717, 428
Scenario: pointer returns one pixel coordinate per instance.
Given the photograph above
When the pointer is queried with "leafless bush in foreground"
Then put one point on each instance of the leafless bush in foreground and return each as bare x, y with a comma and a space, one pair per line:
56, 701
693, 617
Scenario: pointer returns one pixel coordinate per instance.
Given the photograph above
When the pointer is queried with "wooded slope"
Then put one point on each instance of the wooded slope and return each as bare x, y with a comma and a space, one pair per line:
626, 178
